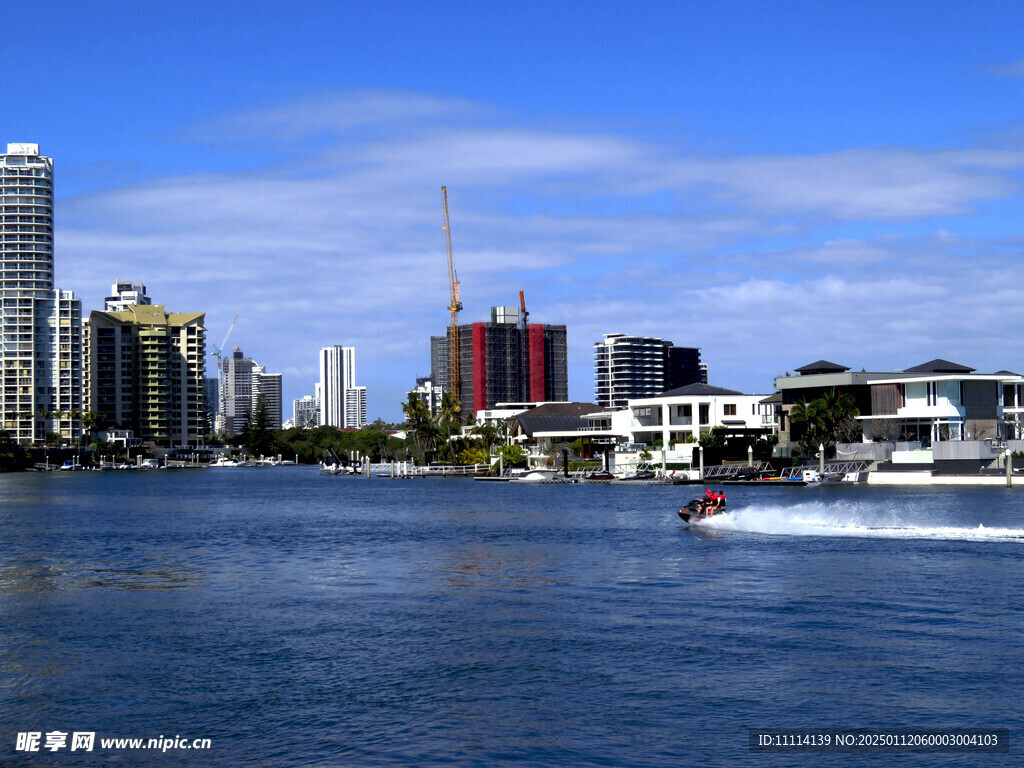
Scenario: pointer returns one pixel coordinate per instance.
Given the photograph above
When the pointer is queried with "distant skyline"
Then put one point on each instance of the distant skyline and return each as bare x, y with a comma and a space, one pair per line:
773, 183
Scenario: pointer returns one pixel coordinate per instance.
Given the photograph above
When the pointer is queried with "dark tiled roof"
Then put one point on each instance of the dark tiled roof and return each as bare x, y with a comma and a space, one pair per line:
554, 417
822, 366
939, 366
699, 389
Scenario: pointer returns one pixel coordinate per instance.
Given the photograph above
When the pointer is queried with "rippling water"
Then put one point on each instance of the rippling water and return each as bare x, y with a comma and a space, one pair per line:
299, 620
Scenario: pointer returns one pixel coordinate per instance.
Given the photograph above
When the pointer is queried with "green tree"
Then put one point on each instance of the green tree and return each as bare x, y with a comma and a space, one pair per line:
827, 420
447, 418
488, 435
512, 456
712, 439
260, 438
473, 455
90, 419
450, 410
416, 416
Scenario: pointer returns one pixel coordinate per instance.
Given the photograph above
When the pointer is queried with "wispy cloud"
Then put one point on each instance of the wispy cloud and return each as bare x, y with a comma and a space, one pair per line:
1013, 69
336, 238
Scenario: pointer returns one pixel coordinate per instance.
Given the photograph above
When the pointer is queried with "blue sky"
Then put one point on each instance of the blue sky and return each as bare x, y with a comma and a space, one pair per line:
772, 182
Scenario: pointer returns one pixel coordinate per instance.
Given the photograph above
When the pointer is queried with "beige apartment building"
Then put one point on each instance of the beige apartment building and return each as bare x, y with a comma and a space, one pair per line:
145, 370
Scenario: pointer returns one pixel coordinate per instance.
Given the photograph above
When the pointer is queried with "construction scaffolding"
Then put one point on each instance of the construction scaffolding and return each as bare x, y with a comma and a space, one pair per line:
505, 362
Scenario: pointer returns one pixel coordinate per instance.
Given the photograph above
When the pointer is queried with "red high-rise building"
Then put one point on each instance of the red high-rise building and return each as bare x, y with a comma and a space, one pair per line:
505, 361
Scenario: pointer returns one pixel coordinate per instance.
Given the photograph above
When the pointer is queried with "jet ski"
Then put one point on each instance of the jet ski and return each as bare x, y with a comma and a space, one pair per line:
694, 511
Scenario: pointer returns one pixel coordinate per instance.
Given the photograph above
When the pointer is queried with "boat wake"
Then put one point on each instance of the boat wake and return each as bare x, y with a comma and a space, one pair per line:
817, 519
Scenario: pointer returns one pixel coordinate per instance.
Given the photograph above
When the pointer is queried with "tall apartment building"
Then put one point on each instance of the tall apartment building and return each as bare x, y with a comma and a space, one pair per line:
235, 393
268, 386
355, 407
504, 361
636, 367
342, 403
124, 294
40, 328
145, 372
305, 412
243, 381
428, 393
211, 397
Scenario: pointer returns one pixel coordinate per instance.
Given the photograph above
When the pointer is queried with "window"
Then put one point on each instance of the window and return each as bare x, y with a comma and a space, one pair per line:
729, 409
932, 389
684, 410
705, 413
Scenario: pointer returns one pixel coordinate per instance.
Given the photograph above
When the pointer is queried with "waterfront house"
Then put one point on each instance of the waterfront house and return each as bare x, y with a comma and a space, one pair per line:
1013, 404
938, 414
552, 420
683, 414
674, 420
935, 402
813, 381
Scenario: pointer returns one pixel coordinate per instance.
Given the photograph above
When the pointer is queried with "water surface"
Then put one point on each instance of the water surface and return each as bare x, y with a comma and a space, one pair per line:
300, 620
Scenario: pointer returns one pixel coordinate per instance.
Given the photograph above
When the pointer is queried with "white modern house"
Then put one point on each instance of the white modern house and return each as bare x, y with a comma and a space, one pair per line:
684, 414
1013, 405
675, 418
937, 416
937, 402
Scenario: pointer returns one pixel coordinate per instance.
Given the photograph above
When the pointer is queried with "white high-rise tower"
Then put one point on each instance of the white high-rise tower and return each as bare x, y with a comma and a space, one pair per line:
342, 403
41, 328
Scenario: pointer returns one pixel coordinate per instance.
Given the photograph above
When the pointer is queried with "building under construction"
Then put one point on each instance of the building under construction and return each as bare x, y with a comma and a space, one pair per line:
504, 361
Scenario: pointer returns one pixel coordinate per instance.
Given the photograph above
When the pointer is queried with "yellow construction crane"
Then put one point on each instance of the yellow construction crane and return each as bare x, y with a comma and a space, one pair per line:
454, 306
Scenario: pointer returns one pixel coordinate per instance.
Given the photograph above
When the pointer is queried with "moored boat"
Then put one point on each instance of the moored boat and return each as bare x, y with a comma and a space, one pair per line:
227, 461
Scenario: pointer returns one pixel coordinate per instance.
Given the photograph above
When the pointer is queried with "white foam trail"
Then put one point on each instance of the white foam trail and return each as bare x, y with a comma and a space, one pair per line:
820, 520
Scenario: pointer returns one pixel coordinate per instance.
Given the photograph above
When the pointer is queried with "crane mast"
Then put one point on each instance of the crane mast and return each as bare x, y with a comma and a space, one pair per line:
221, 384
217, 350
454, 384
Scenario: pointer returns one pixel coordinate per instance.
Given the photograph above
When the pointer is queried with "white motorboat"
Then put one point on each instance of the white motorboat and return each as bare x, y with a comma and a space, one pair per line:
227, 461
536, 475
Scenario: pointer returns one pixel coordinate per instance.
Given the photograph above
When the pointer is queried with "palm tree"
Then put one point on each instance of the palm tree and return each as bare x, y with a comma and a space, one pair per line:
807, 413
447, 415
825, 418
450, 409
415, 410
416, 415
430, 433
488, 435
89, 420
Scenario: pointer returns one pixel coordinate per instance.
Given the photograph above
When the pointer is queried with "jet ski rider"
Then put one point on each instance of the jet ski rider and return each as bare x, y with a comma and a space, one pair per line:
709, 502
713, 502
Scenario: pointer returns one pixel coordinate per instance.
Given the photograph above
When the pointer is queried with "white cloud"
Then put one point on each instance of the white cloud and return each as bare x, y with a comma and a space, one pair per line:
339, 240
872, 184
332, 115
1013, 69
